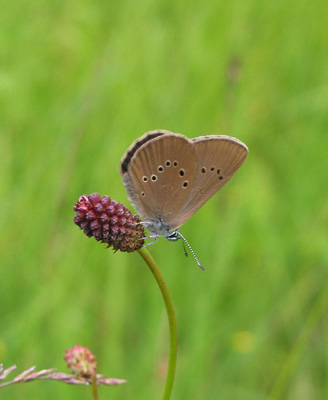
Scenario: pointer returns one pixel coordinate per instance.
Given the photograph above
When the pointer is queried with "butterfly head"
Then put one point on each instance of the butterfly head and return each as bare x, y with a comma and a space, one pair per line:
173, 236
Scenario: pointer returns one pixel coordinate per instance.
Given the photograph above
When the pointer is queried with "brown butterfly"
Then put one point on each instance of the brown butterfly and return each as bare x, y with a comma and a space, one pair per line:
169, 177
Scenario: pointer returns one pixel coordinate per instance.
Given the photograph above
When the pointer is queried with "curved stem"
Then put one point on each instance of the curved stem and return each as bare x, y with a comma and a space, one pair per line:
171, 319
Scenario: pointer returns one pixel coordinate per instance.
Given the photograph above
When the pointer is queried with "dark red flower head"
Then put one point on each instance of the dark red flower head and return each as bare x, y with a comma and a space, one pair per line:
109, 222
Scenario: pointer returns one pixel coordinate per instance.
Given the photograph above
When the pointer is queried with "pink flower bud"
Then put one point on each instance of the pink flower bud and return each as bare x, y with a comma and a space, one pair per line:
81, 361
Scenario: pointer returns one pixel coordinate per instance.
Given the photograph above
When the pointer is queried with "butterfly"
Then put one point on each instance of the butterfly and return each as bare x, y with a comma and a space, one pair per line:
169, 177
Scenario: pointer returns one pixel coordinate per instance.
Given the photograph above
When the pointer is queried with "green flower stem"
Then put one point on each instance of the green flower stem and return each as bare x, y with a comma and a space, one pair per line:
171, 319
94, 386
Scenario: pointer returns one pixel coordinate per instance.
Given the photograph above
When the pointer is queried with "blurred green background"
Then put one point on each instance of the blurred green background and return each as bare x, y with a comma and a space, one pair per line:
79, 81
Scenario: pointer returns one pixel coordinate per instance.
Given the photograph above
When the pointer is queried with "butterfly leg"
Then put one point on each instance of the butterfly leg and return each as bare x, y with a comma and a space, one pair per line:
145, 223
149, 237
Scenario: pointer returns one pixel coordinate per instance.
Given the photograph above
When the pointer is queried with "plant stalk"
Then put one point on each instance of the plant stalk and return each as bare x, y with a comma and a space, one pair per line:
94, 386
171, 319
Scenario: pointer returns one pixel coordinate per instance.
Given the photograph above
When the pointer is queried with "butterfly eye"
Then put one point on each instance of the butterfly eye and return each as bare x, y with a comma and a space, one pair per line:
160, 168
181, 172
145, 179
154, 178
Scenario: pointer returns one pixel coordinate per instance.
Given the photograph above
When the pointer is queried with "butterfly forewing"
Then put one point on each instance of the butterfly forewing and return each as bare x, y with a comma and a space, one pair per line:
160, 175
218, 158
130, 152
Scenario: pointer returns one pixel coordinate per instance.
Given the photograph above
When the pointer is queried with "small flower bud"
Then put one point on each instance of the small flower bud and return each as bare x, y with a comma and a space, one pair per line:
109, 222
81, 361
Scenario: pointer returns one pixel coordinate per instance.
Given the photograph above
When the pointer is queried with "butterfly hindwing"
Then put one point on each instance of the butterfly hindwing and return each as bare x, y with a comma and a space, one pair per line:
218, 158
